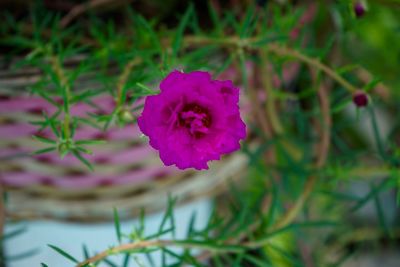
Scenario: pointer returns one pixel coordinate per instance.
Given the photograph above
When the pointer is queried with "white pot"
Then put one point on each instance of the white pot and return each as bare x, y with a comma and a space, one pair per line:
97, 237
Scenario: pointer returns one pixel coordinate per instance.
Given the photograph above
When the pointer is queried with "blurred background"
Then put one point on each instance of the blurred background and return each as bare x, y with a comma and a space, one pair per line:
315, 183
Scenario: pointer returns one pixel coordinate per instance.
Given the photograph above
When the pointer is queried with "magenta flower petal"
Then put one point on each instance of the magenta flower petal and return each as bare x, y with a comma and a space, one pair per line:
193, 120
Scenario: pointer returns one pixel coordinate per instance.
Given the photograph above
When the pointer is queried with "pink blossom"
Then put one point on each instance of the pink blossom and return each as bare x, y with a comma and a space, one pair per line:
193, 120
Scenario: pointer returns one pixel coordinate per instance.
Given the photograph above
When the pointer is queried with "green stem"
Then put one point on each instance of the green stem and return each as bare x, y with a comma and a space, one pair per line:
123, 79
249, 44
285, 51
59, 71
270, 101
158, 244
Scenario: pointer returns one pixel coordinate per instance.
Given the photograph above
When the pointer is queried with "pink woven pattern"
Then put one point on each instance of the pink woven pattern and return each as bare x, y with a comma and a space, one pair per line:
126, 159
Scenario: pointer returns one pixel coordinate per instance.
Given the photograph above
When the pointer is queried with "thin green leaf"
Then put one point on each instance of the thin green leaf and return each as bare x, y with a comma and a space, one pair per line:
153, 35
339, 195
341, 106
346, 256
286, 255
245, 30
63, 152
18, 41
145, 88
163, 258
19, 256
117, 225
257, 262
74, 126
47, 97
160, 233
224, 66
13, 233
377, 134
238, 260
110, 263
63, 253
108, 120
194, 25
373, 192
209, 245
50, 121
217, 261
90, 142
177, 41
191, 224
185, 258
84, 150
44, 150
242, 61
215, 19
372, 84
310, 224
269, 39
82, 159
86, 253
44, 140
126, 260
88, 122
381, 215
347, 68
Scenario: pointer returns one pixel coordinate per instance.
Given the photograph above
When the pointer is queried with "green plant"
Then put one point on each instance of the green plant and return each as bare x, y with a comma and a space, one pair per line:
305, 148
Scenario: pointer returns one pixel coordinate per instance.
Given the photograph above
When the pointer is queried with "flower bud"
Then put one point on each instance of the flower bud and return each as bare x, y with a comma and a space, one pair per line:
360, 99
359, 9
63, 149
125, 115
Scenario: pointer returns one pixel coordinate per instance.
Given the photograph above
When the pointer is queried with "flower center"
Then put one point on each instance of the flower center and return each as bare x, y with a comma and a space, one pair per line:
196, 119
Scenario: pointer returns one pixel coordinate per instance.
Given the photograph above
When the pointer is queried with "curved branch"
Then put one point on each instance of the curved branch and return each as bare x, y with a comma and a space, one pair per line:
275, 48
83, 7
285, 51
159, 244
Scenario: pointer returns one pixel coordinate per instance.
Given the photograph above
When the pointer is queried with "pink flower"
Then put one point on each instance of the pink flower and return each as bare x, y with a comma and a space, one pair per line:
193, 120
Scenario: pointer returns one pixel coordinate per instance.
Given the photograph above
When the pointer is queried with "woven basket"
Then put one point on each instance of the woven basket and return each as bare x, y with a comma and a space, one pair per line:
128, 173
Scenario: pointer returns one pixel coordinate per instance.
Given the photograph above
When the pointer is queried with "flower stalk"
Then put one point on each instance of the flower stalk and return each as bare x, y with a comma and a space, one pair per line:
60, 74
123, 78
276, 48
270, 104
286, 51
